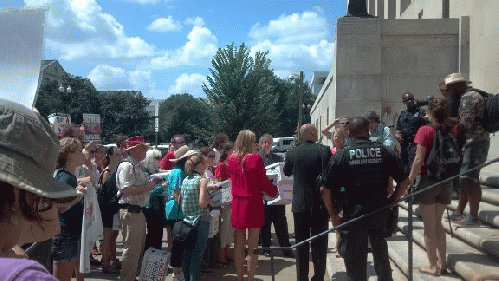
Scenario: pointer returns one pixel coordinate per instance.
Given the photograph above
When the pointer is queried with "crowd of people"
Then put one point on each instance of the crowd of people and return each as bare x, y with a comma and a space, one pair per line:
55, 190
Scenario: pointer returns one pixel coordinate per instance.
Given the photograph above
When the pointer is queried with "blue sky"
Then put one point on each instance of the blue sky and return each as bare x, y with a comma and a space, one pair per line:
163, 47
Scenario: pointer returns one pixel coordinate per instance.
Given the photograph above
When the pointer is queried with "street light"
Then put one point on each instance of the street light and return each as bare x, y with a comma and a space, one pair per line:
62, 89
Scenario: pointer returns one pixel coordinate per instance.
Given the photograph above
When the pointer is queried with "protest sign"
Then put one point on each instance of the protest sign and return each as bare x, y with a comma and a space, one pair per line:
21, 45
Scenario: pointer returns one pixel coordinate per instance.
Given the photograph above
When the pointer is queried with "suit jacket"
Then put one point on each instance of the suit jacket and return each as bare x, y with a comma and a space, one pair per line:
305, 162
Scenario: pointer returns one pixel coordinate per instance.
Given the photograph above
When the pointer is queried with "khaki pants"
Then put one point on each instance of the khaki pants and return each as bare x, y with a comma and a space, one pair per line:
134, 237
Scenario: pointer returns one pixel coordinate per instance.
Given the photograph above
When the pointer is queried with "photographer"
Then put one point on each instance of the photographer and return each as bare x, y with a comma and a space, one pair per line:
408, 123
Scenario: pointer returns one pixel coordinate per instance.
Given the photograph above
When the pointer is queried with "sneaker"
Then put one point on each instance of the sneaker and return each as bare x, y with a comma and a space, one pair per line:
178, 277
470, 221
455, 216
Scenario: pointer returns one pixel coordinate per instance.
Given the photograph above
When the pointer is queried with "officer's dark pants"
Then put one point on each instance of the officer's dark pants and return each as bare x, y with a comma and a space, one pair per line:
275, 214
353, 249
305, 227
407, 153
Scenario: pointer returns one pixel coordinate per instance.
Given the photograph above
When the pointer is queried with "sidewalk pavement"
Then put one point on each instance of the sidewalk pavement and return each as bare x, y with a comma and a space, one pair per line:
284, 268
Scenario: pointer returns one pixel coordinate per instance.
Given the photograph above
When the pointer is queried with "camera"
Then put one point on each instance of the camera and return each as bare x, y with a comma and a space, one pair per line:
423, 102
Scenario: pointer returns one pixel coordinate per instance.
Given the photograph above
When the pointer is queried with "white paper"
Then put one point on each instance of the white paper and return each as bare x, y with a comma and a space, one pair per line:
21, 46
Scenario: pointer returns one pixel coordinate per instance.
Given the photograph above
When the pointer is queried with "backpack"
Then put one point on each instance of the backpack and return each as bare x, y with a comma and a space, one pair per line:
490, 120
445, 157
107, 196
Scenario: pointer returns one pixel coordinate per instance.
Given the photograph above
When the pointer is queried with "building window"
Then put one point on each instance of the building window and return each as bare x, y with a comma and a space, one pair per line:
420, 15
327, 115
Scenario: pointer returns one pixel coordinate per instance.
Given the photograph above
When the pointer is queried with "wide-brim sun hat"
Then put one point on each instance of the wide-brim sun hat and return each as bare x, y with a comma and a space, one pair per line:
182, 152
456, 78
136, 142
28, 152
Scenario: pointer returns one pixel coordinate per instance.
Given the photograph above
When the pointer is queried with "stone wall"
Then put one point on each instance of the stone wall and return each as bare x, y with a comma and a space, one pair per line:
377, 60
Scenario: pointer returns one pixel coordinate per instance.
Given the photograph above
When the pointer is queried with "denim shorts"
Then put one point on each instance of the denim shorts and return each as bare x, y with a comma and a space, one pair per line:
438, 194
65, 248
474, 154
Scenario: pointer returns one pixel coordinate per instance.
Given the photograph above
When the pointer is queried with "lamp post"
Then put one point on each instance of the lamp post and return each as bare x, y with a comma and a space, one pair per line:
306, 106
300, 102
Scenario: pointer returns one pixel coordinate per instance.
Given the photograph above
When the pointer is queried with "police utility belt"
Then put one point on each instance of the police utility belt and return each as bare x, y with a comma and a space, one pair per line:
134, 209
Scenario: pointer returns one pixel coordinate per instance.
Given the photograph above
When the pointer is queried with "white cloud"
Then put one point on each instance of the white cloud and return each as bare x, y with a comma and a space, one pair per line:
189, 83
295, 42
81, 29
106, 77
196, 21
199, 49
141, 79
165, 25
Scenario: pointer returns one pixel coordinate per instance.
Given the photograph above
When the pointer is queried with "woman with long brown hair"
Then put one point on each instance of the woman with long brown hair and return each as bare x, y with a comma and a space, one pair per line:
249, 183
433, 202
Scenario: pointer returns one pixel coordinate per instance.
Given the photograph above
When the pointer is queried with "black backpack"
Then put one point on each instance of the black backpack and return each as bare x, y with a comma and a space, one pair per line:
107, 196
490, 120
445, 156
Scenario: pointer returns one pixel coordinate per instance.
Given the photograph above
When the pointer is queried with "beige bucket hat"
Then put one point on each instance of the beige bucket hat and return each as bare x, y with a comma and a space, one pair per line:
28, 152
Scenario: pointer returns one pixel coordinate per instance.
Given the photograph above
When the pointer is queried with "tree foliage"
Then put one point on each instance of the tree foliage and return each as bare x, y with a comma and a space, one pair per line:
121, 112
287, 91
186, 115
83, 98
124, 112
241, 91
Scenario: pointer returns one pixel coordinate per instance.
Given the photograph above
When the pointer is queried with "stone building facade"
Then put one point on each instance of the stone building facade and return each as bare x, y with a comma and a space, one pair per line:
408, 47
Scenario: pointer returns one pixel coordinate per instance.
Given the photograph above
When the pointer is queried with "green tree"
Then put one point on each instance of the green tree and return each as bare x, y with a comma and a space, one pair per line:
83, 98
241, 90
287, 91
124, 112
186, 115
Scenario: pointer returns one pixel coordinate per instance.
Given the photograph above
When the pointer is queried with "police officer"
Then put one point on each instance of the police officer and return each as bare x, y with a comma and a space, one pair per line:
363, 168
408, 124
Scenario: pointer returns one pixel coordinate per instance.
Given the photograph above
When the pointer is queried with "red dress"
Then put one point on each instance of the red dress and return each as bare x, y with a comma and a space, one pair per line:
249, 182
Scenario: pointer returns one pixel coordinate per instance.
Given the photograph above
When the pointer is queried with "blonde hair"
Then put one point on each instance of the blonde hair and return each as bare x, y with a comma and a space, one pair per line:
193, 162
67, 145
244, 143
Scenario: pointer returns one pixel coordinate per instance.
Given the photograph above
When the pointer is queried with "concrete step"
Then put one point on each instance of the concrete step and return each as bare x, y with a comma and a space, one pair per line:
490, 195
468, 262
336, 267
483, 237
487, 213
398, 251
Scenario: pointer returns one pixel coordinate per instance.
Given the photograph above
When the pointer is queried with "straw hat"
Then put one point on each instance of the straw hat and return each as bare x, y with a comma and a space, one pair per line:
456, 78
183, 152
134, 142
28, 152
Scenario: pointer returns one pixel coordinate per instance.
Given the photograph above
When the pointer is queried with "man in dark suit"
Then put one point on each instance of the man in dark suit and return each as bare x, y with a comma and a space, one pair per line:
305, 162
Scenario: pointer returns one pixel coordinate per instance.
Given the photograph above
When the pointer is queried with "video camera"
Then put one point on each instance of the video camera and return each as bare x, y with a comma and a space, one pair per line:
423, 102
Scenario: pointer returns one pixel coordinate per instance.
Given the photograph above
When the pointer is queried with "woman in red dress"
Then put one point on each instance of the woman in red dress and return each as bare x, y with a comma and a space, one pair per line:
249, 182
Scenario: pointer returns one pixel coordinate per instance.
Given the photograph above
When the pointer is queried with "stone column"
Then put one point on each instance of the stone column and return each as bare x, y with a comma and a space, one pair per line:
371, 7
464, 46
380, 9
390, 9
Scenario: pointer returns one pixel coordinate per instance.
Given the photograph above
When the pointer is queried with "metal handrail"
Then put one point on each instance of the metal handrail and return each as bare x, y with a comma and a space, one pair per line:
409, 197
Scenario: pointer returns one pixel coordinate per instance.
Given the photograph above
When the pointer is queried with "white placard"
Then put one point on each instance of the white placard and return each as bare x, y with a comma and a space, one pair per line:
21, 46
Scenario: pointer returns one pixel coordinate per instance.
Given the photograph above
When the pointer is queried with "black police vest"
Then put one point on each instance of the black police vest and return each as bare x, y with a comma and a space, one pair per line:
366, 179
